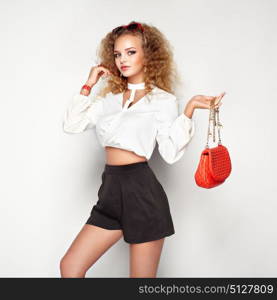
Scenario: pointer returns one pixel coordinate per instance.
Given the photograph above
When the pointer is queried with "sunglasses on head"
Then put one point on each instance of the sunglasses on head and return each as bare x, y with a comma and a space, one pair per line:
131, 26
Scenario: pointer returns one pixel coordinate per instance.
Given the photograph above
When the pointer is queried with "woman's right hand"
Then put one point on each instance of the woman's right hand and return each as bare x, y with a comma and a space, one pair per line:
96, 72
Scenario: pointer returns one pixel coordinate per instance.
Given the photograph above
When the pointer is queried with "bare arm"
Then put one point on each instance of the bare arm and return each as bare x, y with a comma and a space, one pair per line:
189, 109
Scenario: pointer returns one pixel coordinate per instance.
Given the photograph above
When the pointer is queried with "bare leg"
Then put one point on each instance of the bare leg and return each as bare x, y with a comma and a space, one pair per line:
89, 245
144, 258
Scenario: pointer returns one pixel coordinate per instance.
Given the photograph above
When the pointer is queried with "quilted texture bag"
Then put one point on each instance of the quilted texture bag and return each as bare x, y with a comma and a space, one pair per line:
215, 163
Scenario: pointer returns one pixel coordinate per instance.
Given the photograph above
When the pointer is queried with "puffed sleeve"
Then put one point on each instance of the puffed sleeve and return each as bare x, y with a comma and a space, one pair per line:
82, 113
174, 131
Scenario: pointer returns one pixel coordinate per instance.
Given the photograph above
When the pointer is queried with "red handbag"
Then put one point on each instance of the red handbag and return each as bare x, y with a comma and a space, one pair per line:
215, 163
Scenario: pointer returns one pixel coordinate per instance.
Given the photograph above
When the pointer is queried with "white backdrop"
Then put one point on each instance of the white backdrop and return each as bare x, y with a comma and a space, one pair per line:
50, 179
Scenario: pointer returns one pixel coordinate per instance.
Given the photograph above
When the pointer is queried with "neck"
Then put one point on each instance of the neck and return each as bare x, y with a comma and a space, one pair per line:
135, 81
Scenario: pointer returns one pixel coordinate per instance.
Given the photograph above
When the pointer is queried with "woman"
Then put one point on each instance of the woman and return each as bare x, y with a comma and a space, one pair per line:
136, 109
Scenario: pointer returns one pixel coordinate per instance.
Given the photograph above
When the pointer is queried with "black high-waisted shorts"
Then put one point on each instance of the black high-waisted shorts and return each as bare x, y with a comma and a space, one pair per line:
132, 199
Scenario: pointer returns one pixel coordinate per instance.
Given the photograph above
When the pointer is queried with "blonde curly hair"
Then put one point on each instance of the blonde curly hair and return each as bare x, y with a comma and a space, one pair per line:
160, 68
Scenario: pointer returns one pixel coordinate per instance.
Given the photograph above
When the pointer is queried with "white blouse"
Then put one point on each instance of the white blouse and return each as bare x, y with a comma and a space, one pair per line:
135, 128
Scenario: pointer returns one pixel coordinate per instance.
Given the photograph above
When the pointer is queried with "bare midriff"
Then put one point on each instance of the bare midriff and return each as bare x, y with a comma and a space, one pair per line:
117, 156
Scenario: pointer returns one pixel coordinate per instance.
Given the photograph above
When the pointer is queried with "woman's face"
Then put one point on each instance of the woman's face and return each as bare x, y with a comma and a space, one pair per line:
128, 52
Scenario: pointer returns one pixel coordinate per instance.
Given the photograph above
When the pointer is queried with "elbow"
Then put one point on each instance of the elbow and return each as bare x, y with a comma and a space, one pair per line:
174, 155
172, 160
71, 125
171, 157
169, 161
69, 128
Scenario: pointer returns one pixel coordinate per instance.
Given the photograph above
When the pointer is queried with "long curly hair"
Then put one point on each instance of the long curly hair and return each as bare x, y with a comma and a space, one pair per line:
160, 68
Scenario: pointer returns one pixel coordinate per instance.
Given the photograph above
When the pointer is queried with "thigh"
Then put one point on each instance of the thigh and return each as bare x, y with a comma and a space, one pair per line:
145, 257
89, 245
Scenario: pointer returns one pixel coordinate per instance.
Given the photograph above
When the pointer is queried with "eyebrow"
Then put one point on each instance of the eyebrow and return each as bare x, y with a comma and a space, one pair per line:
125, 49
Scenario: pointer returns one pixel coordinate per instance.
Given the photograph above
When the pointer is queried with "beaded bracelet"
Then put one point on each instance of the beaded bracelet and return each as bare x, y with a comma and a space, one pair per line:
87, 87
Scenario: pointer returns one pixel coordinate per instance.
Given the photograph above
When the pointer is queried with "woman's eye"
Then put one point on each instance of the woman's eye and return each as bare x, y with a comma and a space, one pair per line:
131, 51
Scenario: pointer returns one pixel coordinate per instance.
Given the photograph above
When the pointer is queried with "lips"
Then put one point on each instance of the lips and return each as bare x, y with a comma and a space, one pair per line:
125, 67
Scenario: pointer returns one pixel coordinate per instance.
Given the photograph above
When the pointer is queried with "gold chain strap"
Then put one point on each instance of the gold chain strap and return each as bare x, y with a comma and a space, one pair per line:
213, 115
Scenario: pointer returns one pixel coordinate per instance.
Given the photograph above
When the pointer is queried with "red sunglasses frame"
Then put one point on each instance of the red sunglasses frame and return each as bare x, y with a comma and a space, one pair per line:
131, 26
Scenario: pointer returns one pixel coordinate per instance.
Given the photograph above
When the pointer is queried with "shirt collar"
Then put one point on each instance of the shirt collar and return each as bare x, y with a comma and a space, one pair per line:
136, 86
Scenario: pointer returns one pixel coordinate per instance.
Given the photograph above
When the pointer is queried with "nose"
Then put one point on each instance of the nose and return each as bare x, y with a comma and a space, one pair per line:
122, 59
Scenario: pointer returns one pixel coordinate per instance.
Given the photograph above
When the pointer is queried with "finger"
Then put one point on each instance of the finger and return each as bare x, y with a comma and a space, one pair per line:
210, 97
212, 104
217, 106
222, 95
219, 98
106, 73
210, 100
103, 69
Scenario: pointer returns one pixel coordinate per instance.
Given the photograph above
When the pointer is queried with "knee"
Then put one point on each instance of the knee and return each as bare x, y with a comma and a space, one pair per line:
69, 268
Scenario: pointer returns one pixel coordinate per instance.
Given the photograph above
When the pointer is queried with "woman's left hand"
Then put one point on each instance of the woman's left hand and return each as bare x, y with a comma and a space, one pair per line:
205, 102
